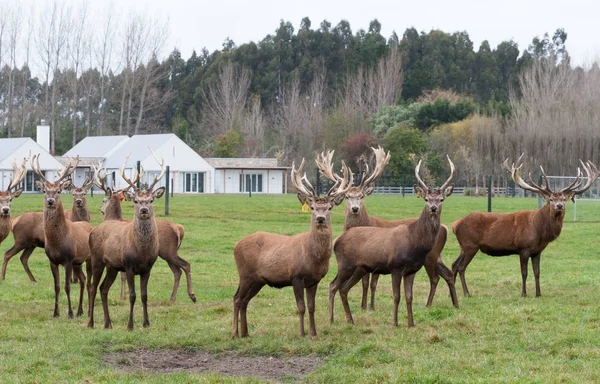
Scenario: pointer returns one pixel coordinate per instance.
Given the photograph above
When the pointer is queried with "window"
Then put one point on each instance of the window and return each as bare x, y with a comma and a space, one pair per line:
194, 182
253, 182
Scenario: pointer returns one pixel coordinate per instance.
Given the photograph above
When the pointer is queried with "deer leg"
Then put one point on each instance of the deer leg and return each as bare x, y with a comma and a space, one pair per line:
111, 275
299, 294
524, 259
434, 278
144, 292
408, 296
345, 287
333, 288
176, 277
68, 276
310, 301
56, 276
80, 277
236, 313
251, 291
25, 262
132, 296
7, 256
460, 265
535, 263
123, 285
448, 276
396, 280
188, 278
374, 280
96, 275
365, 291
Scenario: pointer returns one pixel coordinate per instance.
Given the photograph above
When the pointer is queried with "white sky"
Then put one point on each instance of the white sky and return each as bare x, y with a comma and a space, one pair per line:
195, 24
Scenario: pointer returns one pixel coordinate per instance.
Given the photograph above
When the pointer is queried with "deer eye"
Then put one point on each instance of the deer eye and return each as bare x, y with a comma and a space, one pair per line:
151, 201
135, 201
442, 199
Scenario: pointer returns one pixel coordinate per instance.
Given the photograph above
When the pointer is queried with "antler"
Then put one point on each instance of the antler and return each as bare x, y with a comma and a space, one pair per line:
342, 184
99, 181
19, 173
592, 174
298, 179
452, 170
325, 165
162, 168
381, 160
514, 172
35, 166
137, 177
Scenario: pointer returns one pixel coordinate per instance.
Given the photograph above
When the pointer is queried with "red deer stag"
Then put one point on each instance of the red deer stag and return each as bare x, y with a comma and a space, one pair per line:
300, 260
8, 195
130, 247
65, 242
523, 233
80, 210
170, 236
357, 216
400, 251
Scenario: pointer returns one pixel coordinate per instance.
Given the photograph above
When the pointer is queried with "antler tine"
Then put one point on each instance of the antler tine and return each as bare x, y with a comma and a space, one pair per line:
132, 184
99, 180
69, 169
325, 165
381, 160
162, 170
452, 171
592, 174
297, 180
343, 184
19, 173
35, 166
417, 169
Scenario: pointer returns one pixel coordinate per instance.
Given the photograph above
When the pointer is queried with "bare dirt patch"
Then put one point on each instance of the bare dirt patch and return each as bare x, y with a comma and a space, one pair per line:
170, 360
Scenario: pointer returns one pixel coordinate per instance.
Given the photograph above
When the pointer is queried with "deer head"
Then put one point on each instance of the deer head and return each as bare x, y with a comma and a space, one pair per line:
320, 206
6, 196
80, 192
556, 199
434, 197
52, 190
355, 194
143, 198
100, 182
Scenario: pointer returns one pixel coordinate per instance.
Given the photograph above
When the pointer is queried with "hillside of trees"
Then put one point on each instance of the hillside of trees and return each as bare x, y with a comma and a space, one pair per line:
295, 92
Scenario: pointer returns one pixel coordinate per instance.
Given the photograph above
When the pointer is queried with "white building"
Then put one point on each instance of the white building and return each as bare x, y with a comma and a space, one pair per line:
189, 172
18, 148
245, 175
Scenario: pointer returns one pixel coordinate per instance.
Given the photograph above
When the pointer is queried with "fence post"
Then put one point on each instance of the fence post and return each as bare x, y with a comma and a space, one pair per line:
489, 192
167, 185
139, 167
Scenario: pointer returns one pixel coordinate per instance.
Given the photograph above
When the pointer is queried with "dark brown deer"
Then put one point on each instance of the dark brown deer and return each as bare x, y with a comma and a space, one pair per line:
65, 242
170, 236
278, 261
523, 233
7, 196
130, 247
357, 216
400, 251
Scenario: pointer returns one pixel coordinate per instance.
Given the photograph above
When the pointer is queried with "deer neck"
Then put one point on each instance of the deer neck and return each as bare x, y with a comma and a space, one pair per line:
359, 220
55, 223
80, 213
113, 210
145, 235
320, 240
548, 223
5, 226
426, 227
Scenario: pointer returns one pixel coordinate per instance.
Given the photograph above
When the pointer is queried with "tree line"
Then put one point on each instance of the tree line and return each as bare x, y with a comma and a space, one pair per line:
421, 94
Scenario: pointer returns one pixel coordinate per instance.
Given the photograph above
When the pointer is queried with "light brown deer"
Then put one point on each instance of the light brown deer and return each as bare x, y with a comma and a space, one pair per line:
300, 260
523, 233
80, 210
65, 242
357, 216
130, 247
7, 196
400, 251
170, 236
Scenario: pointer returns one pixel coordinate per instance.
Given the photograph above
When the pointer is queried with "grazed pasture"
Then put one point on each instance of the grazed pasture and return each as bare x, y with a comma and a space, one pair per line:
496, 336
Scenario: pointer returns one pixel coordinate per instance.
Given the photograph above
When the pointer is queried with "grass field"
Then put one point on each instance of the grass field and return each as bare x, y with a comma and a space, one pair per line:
495, 336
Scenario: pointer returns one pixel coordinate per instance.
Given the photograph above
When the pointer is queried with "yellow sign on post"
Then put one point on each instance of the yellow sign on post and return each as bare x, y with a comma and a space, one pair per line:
305, 207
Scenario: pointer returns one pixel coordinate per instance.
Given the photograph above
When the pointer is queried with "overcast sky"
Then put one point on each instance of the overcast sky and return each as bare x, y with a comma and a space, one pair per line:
195, 24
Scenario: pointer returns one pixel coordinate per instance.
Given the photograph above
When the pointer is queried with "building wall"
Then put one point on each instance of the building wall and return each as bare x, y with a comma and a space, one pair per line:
228, 180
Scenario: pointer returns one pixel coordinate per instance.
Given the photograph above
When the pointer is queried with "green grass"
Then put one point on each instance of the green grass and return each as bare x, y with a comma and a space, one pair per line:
496, 335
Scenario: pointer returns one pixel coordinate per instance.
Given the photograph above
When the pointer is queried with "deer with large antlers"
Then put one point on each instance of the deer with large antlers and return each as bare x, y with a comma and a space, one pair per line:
170, 236
400, 251
524, 233
6, 197
357, 216
300, 260
130, 247
80, 210
65, 242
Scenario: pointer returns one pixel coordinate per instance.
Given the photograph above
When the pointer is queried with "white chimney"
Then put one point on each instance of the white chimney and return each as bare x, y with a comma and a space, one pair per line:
43, 135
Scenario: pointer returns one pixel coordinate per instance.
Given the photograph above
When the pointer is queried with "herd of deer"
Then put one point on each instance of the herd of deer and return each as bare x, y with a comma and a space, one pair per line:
373, 246
117, 244
369, 246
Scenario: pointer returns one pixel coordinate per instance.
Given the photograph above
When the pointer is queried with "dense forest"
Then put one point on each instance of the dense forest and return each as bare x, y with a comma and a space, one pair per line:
423, 94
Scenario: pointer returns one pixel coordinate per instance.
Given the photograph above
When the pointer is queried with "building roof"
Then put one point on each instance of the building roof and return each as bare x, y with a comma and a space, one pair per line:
137, 149
244, 163
97, 146
83, 161
10, 145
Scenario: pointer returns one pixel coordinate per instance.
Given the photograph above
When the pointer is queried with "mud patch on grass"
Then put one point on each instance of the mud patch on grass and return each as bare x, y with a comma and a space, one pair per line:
170, 360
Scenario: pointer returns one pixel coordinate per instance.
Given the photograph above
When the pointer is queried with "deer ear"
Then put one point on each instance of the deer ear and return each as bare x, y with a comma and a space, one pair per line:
66, 184
129, 195
16, 193
337, 200
571, 196
158, 192
39, 185
419, 191
367, 191
302, 198
108, 192
449, 190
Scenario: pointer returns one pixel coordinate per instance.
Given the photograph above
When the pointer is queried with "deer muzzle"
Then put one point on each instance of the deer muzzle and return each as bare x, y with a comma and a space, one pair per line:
5, 210
50, 202
320, 220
